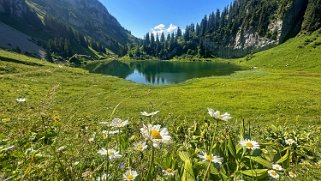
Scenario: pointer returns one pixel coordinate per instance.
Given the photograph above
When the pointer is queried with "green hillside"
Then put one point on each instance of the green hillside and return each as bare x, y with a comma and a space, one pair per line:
282, 87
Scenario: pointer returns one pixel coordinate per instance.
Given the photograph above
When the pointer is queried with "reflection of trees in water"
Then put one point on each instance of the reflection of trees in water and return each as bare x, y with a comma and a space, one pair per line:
164, 72
172, 72
115, 68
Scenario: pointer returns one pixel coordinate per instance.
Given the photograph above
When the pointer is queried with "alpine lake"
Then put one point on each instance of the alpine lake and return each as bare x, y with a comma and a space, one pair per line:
162, 72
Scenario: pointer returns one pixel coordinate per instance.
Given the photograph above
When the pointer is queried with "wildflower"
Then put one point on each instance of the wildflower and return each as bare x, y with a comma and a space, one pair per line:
273, 174
290, 142
118, 123
112, 153
103, 177
250, 144
140, 146
217, 115
20, 100
149, 114
169, 172
277, 167
87, 174
156, 134
92, 139
265, 151
130, 175
211, 158
292, 175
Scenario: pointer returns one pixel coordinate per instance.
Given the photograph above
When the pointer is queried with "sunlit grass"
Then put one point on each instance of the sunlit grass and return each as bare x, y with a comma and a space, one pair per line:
53, 116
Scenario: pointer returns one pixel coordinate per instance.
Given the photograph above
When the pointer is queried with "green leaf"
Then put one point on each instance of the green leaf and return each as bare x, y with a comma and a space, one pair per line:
260, 160
284, 157
188, 174
255, 172
231, 147
183, 155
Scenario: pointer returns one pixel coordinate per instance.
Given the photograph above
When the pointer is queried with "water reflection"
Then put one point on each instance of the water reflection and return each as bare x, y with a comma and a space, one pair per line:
163, 72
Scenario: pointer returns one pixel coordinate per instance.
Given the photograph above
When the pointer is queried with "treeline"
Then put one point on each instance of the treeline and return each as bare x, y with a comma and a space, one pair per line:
217, 33
66, 41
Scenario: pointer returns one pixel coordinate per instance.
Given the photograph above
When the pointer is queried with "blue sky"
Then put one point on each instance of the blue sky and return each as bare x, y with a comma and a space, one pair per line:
141, 16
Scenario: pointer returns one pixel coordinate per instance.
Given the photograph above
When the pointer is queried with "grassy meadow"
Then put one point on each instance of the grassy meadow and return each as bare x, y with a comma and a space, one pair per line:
57, 131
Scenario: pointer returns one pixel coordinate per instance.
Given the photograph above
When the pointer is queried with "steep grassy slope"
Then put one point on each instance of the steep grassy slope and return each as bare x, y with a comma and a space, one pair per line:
298, 54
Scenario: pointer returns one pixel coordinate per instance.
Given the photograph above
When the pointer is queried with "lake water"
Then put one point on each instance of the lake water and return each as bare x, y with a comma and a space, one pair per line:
163, 72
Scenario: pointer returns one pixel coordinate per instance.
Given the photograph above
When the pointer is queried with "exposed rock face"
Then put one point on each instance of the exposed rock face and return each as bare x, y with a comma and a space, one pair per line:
281, 26
293, 19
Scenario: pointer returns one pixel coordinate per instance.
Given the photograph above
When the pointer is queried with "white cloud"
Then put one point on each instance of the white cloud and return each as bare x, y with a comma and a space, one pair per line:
172, 28
161, 28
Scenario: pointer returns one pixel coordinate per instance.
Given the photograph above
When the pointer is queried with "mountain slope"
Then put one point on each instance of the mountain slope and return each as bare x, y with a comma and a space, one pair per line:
67, 26
244, 27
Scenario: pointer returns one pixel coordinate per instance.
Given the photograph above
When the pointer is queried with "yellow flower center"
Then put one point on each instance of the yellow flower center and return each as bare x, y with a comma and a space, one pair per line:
111, 153
155, 134
169, 170
130, 177
249, 144
139, 147
209, 157
273, 173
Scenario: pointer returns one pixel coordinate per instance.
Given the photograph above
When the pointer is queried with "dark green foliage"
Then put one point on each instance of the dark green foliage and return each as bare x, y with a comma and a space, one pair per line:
216, 34
49, 23
313, 16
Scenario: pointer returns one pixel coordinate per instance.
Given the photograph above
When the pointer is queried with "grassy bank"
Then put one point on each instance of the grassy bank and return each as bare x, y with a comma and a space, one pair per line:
283, 87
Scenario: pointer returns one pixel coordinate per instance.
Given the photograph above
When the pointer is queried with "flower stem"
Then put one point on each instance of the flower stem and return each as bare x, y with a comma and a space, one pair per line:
207, 172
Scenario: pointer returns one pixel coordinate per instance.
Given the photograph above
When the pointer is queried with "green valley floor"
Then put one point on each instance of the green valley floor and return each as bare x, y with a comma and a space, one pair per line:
282, 87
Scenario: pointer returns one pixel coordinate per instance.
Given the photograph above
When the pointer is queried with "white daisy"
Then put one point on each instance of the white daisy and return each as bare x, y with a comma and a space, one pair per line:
112, 153
217, 115
130, 175
210, 158
149, 114
250, 144
103, 177
290, 141
140, 146
118, 123
292, 175
277, 167
156, 134
20, 100
273, 174
169, 172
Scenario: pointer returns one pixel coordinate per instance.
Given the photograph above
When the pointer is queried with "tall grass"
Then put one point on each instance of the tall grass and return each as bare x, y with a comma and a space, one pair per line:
219, 148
